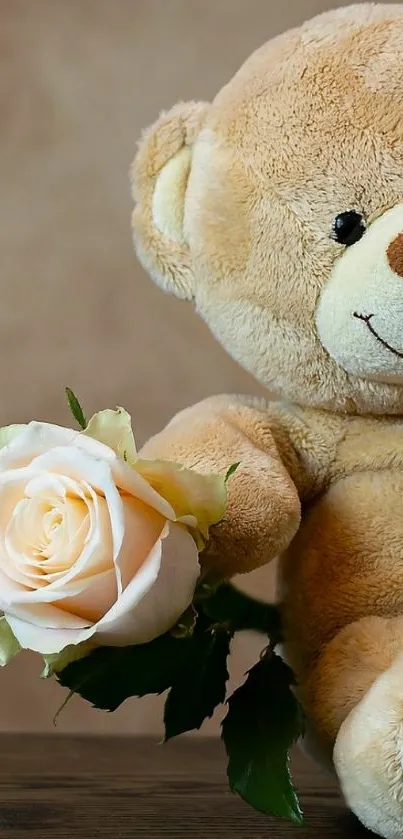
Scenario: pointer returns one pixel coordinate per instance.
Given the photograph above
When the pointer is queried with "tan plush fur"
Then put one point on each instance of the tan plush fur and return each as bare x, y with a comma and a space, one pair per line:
243, 224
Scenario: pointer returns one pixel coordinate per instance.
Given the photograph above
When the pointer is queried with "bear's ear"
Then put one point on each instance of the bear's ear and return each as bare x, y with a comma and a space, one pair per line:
159, 176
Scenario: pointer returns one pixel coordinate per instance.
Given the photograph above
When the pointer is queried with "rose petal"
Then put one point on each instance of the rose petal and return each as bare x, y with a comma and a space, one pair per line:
12, 486
126, 477
45, 640
38, 439
79, 466
92, 559
39, 556
95, 525
95, 598
114, 429
43, 614
34, 439
143, 528
89, 551
189, 493
157, 596
8, 433
9, 646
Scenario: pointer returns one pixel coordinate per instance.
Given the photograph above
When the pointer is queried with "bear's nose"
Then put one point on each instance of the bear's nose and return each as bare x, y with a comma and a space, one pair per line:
395, 255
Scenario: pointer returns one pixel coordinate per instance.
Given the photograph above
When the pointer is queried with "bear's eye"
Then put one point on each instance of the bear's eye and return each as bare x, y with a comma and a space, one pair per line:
348, 228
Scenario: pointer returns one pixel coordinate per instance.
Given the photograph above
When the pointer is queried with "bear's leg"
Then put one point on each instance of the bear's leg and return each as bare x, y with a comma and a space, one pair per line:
368, 755
355, 701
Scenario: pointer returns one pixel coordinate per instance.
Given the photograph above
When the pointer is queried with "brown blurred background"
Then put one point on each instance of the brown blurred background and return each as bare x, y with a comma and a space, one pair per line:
78, 82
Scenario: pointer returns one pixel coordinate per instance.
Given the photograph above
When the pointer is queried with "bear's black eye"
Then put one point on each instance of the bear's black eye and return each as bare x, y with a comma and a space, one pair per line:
348, 228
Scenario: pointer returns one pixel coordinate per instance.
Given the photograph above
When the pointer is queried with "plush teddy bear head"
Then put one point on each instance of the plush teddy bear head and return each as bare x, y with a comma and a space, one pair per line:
278, 209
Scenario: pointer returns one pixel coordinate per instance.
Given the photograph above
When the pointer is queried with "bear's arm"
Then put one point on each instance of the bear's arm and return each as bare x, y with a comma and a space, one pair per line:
264, 509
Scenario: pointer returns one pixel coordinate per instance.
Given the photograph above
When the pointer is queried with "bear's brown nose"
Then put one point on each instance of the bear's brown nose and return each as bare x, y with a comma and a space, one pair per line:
395, 255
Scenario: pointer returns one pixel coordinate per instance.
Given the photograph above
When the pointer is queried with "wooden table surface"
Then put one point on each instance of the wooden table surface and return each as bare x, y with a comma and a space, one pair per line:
62, 787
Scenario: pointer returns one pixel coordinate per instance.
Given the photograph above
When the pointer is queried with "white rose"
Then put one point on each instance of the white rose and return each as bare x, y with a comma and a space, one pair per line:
90, 551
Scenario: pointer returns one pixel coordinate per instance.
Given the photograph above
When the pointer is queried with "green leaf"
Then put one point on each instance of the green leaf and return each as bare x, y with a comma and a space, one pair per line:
231, 471
109, 675
228, 605
76, 408
201, 686
264, 720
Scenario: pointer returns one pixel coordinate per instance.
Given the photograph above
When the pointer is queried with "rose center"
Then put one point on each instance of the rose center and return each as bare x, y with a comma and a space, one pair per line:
49, 527
45, 536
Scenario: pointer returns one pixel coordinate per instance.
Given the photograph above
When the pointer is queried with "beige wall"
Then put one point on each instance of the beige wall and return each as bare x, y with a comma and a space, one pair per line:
79, 79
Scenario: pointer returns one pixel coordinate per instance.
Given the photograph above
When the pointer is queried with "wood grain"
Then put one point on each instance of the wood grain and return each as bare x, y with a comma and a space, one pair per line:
129, 788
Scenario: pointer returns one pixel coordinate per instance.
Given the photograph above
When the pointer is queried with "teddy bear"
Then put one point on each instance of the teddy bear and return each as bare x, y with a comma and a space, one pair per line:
278, 211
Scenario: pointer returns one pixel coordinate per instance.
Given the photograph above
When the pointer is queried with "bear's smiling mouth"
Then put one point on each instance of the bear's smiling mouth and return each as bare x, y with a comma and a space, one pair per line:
367, 320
